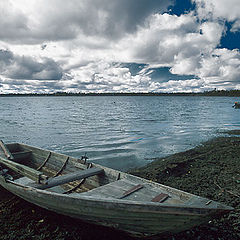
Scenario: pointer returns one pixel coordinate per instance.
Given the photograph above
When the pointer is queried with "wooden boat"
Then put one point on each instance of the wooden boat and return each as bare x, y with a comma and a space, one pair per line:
100, 195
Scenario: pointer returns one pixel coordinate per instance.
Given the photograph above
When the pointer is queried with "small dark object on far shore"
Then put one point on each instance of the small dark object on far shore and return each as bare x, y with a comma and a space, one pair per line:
236, 105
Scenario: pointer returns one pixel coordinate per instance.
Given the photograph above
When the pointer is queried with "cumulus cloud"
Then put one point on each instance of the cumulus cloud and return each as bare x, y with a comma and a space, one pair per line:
35, 21
178, 42
236, 26
223, 66
161, 38
216, 9
106, 77
87, 45
13, 23
25, 67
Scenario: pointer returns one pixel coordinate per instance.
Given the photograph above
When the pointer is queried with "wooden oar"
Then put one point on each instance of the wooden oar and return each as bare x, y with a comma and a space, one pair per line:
33, 174
6, 151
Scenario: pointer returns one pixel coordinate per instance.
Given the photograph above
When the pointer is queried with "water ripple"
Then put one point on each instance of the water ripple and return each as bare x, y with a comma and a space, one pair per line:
119, 132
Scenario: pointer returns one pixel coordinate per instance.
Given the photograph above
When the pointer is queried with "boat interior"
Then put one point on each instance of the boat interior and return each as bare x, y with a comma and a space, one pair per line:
58, 173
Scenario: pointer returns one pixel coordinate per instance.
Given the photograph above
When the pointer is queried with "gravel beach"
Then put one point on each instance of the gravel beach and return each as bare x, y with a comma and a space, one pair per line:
210, 170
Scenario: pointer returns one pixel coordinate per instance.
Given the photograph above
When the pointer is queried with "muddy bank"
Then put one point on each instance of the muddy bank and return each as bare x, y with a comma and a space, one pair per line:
210, 170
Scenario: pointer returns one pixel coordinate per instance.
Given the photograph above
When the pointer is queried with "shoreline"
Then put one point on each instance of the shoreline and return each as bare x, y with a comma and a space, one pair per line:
222, 93
210, 170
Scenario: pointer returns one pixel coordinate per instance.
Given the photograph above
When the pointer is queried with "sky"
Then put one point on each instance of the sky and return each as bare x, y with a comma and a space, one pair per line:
119, 45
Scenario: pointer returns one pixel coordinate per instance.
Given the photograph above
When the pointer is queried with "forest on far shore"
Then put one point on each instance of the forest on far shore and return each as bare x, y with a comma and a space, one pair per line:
226, 93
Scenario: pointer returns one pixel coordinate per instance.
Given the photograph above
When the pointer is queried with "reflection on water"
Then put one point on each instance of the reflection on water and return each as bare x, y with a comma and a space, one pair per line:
121, 132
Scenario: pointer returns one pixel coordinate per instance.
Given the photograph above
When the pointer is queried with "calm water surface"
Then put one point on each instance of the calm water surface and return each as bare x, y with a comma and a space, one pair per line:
119, 132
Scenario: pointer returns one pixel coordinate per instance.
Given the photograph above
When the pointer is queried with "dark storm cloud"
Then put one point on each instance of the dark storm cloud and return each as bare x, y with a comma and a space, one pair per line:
64, 20
122, 16
22, 67
106, 18
5, 56
13, 23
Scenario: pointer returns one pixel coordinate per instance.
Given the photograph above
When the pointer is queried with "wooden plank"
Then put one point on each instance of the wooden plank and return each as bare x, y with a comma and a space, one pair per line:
133, 217
62, 168
56, 189
118, 188
160, 198
45, 161
132, 190
24, 170
6, 151
59, 180
24, 181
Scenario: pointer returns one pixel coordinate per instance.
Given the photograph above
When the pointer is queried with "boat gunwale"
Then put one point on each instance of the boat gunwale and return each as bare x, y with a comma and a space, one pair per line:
123, 202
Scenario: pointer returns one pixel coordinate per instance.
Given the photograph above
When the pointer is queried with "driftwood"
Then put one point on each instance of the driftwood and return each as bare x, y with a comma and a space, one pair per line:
224, 190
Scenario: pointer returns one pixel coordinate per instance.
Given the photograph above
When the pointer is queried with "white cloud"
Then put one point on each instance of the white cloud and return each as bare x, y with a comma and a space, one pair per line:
161, 38
35, 21
212, 32
236, 26
111, 77
221, 69
78, 43
176, 42
229, 10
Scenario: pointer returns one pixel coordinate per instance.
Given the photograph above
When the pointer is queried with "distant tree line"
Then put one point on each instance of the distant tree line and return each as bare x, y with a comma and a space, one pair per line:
227, 93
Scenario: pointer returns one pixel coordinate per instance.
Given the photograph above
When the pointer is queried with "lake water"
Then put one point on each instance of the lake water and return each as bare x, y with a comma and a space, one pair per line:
121, 132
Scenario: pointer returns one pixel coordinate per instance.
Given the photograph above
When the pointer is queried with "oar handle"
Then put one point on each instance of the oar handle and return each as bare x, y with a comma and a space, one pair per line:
6, 151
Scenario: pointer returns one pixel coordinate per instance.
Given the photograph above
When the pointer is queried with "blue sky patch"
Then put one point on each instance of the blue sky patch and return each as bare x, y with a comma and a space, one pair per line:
181, 7
230, 40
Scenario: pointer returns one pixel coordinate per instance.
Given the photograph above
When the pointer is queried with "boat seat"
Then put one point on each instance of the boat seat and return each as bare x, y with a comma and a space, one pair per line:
70, 177
127, 189
27, 181
24, 181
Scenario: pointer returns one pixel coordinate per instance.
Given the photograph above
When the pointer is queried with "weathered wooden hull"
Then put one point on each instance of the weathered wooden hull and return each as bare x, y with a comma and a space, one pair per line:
137, 217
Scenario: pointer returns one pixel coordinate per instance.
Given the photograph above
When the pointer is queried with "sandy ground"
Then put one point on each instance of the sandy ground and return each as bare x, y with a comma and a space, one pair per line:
211, 170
